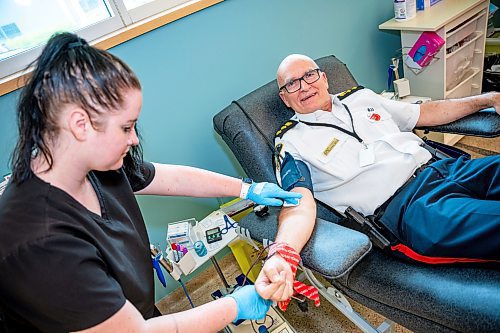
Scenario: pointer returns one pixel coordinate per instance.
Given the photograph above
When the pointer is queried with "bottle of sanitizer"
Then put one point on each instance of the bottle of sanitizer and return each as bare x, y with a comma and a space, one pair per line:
404, 9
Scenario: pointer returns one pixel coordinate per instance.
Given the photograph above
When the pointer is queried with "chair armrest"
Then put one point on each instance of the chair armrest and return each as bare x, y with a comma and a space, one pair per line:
485, 123
332, 250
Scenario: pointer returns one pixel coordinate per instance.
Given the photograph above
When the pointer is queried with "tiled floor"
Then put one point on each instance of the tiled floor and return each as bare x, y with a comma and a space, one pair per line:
323, 319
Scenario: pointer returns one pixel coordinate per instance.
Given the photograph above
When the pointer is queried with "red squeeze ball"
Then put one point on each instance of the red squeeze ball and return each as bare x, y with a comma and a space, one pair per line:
293, 258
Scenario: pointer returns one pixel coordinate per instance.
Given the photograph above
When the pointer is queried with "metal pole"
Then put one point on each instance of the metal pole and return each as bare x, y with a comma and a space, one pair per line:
217, 268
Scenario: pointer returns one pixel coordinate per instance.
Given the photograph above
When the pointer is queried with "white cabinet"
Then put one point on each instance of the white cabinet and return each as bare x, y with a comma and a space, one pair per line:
457, 70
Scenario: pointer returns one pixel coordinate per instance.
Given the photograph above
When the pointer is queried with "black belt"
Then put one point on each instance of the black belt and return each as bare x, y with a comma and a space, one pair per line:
378, 233
380, 229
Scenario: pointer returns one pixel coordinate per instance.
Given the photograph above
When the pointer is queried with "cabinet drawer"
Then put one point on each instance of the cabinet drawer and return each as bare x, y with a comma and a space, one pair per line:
467, 86
460, 32
459, 62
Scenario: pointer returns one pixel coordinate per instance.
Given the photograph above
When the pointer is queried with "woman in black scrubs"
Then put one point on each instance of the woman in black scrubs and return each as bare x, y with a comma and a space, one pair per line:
74, 252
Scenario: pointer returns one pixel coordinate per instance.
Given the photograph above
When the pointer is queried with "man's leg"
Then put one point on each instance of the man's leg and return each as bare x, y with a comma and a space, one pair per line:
456, 211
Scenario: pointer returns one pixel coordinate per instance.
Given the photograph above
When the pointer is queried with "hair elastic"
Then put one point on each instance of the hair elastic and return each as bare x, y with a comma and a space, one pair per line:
78, 43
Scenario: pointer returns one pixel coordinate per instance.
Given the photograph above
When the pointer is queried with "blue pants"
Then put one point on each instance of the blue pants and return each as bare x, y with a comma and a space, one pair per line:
451, 209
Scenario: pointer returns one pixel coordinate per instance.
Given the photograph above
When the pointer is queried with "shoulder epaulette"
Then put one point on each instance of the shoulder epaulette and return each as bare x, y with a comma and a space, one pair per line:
286, 127
349, 92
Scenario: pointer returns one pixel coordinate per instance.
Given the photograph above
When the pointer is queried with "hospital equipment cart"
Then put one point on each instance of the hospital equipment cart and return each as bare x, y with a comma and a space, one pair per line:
274, 322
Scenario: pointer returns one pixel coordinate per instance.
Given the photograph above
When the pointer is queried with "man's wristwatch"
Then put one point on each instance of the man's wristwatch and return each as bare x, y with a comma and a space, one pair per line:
245, 187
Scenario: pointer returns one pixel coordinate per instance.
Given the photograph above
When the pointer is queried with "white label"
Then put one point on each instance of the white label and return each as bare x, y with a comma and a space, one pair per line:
366, 156
400, 10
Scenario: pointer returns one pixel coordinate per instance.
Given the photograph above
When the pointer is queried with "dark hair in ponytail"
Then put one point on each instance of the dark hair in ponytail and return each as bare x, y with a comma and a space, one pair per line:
69, 71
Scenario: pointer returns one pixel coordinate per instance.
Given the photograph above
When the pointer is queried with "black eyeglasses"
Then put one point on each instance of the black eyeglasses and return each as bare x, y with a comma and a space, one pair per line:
295, 85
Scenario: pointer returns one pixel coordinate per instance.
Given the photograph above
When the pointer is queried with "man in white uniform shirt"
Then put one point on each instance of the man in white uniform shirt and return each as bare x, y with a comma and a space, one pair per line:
357, 149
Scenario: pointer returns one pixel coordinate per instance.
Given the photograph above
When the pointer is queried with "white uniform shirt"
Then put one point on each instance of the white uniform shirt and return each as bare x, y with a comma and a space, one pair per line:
333, 157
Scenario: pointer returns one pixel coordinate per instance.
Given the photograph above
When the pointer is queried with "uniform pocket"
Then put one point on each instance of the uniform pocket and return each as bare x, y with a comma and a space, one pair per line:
339, 158
374, 124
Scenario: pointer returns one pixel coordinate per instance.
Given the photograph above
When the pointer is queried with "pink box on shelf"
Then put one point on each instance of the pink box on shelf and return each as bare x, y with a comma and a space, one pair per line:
422, 52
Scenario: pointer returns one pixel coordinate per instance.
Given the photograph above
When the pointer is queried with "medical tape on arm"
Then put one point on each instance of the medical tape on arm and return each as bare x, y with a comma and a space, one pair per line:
244, 190
293, 259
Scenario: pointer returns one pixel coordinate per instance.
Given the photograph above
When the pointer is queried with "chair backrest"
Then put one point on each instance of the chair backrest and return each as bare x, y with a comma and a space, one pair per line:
248, 125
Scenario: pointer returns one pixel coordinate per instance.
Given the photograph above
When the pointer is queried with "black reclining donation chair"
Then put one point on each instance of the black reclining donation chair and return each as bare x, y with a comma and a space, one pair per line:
423, 298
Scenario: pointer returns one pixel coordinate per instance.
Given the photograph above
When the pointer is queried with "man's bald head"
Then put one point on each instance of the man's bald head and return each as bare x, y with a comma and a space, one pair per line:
289, 61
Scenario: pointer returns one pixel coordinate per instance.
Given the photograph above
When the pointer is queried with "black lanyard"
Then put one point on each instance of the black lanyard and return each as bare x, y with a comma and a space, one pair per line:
353, 133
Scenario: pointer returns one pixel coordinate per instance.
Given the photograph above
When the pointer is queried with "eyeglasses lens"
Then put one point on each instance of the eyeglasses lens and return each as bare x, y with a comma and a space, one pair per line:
309, 77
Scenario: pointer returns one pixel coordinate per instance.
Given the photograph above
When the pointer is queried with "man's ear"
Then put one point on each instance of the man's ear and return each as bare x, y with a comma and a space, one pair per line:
79, 124
281, 93
326, 80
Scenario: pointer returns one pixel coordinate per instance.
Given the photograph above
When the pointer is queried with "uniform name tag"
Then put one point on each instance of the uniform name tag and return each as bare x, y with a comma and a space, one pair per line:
330, 146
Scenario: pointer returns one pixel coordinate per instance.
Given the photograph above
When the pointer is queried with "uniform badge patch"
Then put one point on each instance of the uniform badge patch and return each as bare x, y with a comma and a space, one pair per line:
279, 147
277, 163
372, 115
277, 160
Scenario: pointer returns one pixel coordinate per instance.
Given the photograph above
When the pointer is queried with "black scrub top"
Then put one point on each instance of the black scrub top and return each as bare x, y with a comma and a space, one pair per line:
64, 268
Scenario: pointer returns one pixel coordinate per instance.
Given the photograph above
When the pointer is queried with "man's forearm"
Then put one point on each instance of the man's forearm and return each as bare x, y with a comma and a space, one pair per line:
442, 112
295, 228
297, 223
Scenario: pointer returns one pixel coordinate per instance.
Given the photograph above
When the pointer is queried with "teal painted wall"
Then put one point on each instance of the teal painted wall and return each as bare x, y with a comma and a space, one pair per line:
194, 67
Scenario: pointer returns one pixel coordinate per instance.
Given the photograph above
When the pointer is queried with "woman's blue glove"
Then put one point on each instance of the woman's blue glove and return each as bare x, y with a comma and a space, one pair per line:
250, 305
270, 194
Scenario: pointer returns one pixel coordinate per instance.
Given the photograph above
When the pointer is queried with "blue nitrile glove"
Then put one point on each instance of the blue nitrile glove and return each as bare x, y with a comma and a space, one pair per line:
250, 305
270, 194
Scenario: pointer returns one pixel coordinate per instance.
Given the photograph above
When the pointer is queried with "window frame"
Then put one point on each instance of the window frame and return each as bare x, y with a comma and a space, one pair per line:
152, 8
132, 23
19, 61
